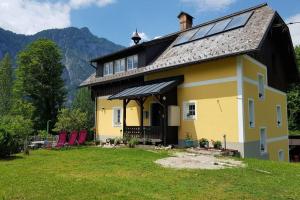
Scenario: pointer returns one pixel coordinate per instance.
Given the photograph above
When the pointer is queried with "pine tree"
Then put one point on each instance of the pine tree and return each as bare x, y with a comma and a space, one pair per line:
39, 82
6, 85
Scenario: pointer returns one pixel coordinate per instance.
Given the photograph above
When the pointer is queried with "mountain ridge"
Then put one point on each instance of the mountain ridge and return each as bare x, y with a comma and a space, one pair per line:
78, 47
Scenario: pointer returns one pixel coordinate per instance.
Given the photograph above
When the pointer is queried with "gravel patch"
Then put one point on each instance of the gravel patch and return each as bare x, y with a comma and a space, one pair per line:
184, 160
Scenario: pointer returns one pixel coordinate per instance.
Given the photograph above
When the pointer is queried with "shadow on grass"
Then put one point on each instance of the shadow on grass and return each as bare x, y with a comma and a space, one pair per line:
9, 158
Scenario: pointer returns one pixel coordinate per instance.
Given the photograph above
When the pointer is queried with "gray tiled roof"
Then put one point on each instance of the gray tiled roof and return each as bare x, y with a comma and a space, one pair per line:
237, 41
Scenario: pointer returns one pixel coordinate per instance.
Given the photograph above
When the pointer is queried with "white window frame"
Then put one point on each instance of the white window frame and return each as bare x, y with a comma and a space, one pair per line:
114, 121
279, 156
110, 66
134, 59
118, 66
278, 116
261, 86
261, 142
186, 111
251, 122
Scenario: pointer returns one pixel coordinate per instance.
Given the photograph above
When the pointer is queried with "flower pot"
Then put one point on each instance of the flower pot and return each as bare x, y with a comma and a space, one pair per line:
189, 143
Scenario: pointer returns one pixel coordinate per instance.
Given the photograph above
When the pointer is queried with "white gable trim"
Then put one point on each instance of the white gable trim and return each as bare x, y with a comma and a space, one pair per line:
251, 81
277, 139
240, 99
255, 61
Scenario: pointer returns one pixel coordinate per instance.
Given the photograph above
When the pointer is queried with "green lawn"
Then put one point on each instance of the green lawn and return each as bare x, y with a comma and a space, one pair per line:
95, 173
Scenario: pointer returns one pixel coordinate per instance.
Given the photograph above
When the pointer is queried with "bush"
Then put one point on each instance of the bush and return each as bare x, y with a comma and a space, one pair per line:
132, 142
203, 142
217, 144
117, 140
8, 145
43, 134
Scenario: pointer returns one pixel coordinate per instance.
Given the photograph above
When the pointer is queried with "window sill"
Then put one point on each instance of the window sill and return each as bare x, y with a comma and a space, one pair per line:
107, 75
117, 125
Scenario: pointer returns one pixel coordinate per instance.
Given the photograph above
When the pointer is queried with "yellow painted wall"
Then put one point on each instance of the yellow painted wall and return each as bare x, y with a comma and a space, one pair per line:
265, 111
216, 103
274, 147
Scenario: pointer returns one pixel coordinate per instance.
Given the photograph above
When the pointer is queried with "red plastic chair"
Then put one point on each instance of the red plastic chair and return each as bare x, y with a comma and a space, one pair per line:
61, 139
82, 137
72, 139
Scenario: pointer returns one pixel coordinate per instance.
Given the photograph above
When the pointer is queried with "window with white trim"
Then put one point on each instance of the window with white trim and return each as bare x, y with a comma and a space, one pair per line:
190, 110
261, 86
263, 140
281, 155
132, 62
117, 115
119, 65
278, 116
108, 69
251, 113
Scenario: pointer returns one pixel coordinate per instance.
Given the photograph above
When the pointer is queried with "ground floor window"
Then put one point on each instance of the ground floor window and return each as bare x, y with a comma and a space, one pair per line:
117, 114
281, 155
189, 110
263, 140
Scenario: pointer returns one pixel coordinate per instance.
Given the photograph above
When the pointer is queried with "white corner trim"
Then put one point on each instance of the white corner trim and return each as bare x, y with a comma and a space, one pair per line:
251, 81
208, 82
103, 97
240, 99
255, 61
277, 139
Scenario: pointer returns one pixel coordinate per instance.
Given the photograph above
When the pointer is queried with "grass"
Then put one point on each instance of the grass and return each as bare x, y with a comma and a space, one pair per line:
95, 173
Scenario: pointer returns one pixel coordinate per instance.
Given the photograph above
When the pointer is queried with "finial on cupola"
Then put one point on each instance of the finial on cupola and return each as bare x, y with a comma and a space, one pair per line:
135, 37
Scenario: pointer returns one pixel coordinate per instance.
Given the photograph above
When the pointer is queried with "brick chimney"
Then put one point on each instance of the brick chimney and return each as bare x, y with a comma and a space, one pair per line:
185, 21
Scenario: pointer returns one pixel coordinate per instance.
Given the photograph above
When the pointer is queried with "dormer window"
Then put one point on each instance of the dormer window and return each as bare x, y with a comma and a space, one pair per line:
132, 62
119, 65
108, 69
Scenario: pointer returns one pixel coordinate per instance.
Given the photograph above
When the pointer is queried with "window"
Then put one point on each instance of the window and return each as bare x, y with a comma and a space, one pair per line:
263, 140
119, 65
132, 62
251, 113
117, 117
281, 155
278, 116
108, 69
261, 86
189, 110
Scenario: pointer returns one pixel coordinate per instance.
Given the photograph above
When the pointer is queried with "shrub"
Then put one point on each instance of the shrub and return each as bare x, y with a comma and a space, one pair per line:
132, 142
43, 134
217, 144
8, 145
117, 140
203, 142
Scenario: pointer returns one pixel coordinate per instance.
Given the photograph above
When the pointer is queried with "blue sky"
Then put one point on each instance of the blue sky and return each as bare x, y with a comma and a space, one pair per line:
117, 19
159, 17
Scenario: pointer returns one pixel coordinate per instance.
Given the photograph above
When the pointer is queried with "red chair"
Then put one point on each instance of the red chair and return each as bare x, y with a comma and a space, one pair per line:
72, 139
61, 139
82, 137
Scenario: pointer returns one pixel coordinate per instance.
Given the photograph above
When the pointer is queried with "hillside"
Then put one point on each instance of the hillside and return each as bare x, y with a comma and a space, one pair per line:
78, 47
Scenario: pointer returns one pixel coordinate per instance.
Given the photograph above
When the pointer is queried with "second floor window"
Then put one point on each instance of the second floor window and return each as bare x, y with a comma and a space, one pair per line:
261, 86
278, 116
251, 113
108, 69
119, 65
132, 62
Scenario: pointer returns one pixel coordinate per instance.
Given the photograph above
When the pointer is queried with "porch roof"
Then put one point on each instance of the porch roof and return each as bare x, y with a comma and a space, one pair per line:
146, 90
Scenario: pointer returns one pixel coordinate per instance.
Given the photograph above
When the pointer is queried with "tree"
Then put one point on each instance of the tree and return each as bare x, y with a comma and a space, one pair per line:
71, 119
84, 103
6, 84
39, 82
293, 105
297, 51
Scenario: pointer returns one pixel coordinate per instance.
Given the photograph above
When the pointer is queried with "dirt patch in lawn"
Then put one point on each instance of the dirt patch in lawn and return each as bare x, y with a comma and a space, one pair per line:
184, 160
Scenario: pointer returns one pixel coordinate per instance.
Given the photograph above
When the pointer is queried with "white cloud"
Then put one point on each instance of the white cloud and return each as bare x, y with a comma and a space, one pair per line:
208, 5
295, 28
83, 3
31, 16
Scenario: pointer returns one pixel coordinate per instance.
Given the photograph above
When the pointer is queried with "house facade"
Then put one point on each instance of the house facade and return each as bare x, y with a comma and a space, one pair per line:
221, 80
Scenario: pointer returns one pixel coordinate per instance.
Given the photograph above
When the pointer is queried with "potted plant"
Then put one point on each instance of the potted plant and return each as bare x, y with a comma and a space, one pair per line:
203, 143
188, 141
217, 144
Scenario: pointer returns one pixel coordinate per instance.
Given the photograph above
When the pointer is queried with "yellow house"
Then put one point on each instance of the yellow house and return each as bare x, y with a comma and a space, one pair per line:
221, 80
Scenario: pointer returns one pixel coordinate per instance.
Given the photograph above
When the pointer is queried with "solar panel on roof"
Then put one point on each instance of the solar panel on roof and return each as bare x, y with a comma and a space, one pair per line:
239, 20
184, 37
219, 26
202, 31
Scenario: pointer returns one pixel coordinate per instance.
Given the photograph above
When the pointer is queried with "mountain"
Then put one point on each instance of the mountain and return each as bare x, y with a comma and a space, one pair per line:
78, 46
